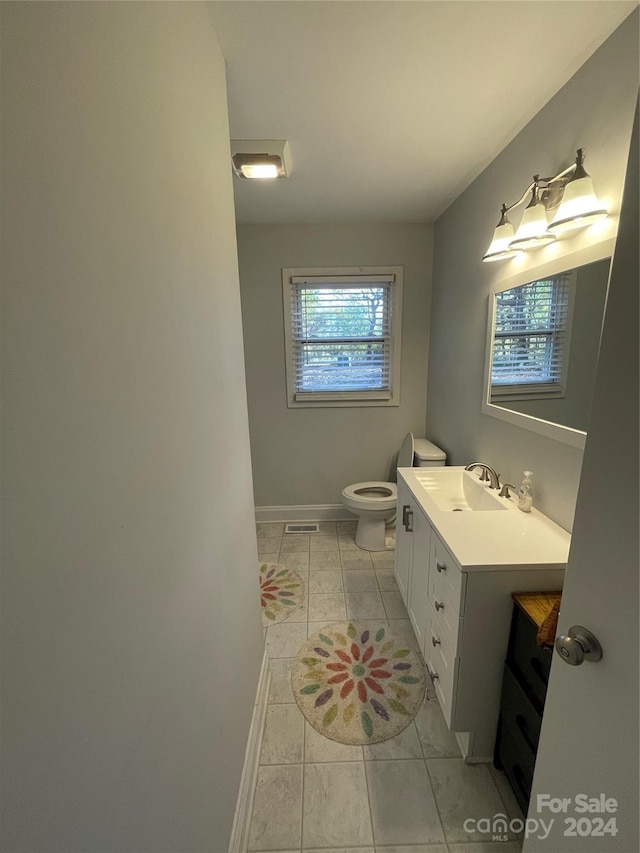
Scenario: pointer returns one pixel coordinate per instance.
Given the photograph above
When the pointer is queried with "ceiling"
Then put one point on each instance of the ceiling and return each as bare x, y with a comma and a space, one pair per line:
391, 109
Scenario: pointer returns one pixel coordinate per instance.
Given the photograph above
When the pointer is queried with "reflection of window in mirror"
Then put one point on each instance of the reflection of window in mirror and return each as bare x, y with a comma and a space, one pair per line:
531, 339
544, 342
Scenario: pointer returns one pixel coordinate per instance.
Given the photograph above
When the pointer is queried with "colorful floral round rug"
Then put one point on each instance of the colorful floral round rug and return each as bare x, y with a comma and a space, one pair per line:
281, 592
358, 686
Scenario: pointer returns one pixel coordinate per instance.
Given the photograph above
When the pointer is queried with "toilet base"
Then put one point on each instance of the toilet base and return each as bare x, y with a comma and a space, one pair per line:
371, 531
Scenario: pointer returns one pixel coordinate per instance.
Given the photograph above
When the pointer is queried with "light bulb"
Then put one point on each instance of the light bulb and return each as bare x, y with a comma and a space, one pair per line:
532, 231
259, 170
503, 235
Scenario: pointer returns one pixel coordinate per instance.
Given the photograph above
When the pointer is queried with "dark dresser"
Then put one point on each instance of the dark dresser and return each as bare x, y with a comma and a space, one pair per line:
524, 689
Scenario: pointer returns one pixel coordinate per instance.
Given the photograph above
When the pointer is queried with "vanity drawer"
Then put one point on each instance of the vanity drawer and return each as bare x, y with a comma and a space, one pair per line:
442, 661
528, 662
518, 712
445, 570
445, 622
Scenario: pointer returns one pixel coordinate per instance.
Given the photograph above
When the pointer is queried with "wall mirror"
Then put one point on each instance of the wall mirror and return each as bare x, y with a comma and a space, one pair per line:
543, 342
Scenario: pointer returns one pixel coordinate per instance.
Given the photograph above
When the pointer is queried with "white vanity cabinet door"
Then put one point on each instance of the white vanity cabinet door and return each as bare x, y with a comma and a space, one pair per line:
418, 600
404, 540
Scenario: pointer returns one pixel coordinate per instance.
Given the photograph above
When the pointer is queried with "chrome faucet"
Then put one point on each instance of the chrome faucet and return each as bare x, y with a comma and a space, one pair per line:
487, 474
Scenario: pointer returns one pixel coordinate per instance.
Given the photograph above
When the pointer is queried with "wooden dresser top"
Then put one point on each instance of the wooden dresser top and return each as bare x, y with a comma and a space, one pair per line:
537, 605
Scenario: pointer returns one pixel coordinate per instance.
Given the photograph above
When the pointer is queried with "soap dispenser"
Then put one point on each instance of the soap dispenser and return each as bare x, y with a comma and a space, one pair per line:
525, 493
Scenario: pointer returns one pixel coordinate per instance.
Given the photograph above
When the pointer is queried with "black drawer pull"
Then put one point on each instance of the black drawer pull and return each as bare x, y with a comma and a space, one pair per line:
441, 567
536, 666
524, 731
434, 642
439, 605
518, 774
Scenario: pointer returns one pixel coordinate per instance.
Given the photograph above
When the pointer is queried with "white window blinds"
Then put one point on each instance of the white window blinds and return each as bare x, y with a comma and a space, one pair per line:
341, 337
530, 347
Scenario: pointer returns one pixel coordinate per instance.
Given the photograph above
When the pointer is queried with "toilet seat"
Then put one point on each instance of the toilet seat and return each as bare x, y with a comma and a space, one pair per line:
381, 496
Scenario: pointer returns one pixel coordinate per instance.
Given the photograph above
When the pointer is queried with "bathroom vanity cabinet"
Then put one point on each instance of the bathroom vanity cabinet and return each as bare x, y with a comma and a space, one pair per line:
459, 599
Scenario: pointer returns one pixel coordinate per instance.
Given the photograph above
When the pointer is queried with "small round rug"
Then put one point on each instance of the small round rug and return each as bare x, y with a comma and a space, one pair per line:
358, 686
281, 592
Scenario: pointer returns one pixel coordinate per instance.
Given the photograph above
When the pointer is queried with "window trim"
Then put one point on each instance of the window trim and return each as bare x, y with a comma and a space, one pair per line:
501, 393
344, 399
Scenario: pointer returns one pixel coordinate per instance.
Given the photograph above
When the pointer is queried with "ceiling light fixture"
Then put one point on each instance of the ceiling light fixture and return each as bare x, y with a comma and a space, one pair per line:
261, 158
571, 192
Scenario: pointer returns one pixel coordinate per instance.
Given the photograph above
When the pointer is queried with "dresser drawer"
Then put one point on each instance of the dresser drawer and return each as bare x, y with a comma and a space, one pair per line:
517, 761
529, 663
445, 622
444, 568
442, 662
518, 713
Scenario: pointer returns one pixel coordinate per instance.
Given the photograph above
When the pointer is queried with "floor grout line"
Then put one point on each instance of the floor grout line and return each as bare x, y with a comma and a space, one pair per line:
304, 764
435, 801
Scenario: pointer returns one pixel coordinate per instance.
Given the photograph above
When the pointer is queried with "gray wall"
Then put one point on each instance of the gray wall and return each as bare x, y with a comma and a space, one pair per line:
595, 111
131, 627
307, 456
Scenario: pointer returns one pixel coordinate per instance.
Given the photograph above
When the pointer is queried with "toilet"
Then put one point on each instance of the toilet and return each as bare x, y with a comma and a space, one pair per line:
375, 502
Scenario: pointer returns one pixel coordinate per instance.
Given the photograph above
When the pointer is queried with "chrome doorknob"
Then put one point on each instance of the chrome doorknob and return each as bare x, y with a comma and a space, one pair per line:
578, 645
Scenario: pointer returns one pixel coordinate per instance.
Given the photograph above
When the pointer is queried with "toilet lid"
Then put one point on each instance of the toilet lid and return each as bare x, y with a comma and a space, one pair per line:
405, 457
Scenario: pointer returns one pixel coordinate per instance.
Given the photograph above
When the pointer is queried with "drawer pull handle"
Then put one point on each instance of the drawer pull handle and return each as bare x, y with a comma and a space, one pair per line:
536, 666
519, 776
409, 522
441, 567
522, 725
405, 507
434, 642
439, 605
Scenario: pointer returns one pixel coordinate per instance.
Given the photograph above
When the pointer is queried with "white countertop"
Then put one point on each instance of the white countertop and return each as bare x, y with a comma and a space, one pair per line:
493, 540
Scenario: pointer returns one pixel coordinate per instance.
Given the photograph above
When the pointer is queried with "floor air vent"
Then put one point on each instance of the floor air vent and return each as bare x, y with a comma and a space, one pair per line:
301, 528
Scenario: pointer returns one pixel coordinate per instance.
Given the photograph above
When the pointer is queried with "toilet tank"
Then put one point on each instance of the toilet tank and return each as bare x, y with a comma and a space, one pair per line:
427, 454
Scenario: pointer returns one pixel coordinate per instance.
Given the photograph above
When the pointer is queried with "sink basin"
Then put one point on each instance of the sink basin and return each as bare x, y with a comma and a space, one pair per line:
456, 490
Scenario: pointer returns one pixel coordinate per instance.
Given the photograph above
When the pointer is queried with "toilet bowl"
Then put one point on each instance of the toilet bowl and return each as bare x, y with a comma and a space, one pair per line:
375, 502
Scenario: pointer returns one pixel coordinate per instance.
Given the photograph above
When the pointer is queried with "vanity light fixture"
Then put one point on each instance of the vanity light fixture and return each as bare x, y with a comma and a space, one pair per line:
570, 193
503, 235
532, 231
580, 205
261, 158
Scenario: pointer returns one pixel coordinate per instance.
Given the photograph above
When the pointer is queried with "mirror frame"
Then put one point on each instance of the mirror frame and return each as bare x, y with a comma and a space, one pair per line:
567, 435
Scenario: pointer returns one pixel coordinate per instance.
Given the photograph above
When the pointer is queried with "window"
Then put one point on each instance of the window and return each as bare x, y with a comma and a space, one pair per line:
342, 334
531, 339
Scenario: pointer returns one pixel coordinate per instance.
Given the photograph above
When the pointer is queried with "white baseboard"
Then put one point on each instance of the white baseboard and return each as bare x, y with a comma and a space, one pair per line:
312, 512
244, 804
466, 744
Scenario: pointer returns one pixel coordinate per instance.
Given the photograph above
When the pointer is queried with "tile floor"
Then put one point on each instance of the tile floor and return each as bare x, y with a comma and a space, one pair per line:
410, 794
